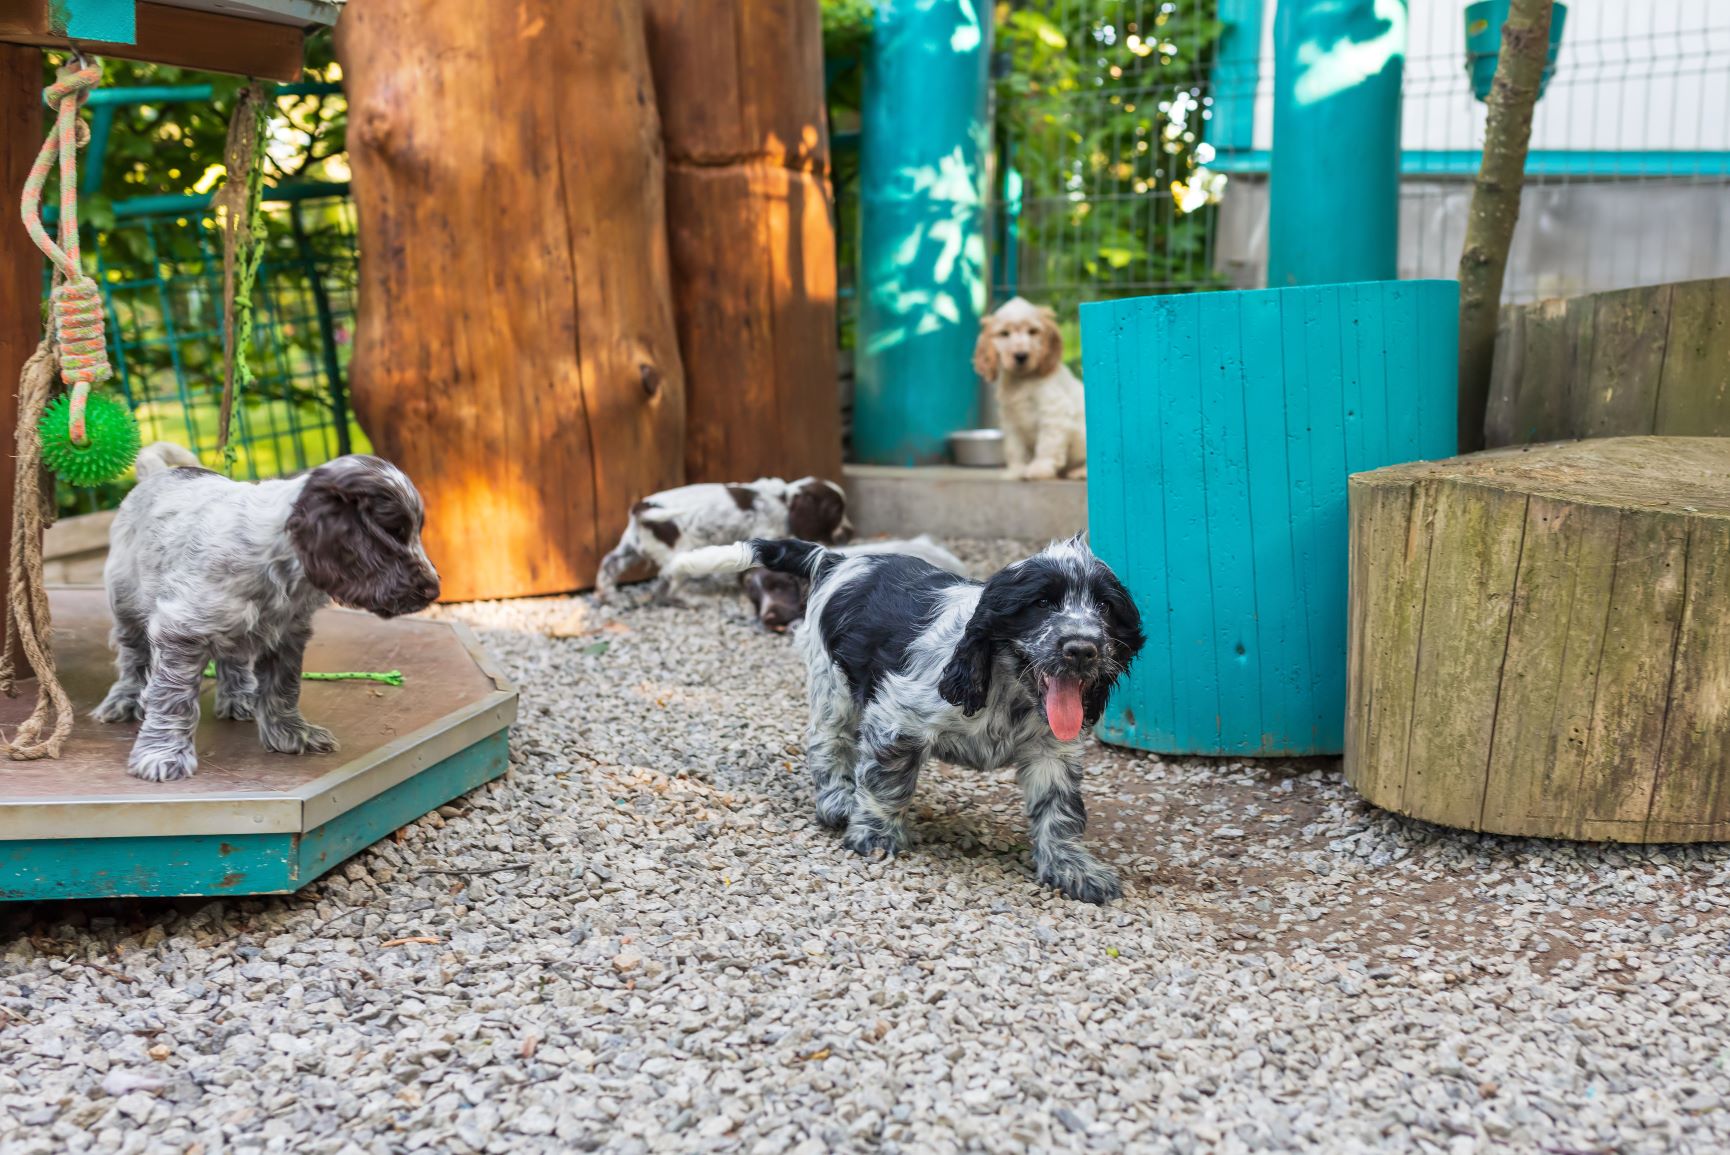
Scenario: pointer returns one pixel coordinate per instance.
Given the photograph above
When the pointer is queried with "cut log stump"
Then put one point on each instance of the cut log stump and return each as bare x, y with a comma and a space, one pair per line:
1538, 640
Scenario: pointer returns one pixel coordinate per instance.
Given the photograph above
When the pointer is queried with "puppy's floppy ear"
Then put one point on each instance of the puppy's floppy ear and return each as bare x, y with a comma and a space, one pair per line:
966, 680
1050, 344
985, 351
816, 512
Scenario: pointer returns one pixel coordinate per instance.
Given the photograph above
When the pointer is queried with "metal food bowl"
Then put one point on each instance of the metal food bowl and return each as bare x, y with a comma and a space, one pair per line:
981, 448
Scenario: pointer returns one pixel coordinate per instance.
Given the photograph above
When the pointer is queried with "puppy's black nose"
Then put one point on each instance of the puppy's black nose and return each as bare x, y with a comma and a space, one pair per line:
1021, 358
1080, 651
430, 589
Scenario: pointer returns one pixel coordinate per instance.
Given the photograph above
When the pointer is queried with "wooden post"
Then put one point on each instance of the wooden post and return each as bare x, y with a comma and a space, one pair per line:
516, 350
1537, 640
740, 88
20, 261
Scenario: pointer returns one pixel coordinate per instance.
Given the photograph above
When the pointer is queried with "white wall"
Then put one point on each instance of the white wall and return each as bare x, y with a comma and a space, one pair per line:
1632, 75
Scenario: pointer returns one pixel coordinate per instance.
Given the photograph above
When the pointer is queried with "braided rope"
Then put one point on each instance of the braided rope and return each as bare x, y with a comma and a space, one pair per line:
77, 300
75, 348
29, 628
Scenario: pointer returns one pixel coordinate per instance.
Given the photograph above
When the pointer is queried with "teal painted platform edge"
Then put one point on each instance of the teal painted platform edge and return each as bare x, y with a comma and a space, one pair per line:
176, 866
1606, 163
1221, 430
104, 21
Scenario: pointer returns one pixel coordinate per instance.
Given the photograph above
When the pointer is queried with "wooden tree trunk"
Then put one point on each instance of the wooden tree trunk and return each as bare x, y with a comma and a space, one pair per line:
516, 351
740, 88
1537, 640
1495, 208
21, 132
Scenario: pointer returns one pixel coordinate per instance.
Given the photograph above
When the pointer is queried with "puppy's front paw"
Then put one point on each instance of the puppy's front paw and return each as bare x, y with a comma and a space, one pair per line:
297, 737
835, 807
234, 707
1076, 472
1039, 471
870, 841
1082, 877
162, 763
119, 706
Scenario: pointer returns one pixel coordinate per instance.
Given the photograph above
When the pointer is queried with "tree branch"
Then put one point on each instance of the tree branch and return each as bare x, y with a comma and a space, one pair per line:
1495, 208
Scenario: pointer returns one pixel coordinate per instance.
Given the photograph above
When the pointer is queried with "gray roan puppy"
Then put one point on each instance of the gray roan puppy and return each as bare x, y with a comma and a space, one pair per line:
202, 568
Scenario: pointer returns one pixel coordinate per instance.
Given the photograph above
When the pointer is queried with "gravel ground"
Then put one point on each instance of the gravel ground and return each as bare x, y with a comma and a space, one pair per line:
639, 940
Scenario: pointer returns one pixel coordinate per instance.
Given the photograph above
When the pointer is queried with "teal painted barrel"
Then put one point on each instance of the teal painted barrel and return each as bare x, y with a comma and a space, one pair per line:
1221, 428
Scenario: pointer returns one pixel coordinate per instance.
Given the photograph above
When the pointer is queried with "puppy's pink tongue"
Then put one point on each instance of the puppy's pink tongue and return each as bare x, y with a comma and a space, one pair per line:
1063, 707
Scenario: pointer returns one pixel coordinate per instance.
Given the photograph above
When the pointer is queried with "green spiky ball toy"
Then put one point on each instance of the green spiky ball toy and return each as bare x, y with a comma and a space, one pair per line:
110, 434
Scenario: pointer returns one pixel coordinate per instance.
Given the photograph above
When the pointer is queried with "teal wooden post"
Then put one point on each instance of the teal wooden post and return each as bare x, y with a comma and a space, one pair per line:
1334, 189
922, 270
1221, 428
1231, 127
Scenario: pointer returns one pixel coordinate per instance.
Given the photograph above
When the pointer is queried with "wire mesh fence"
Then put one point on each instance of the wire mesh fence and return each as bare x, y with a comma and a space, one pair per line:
1102, 188
1628, 178
161, 276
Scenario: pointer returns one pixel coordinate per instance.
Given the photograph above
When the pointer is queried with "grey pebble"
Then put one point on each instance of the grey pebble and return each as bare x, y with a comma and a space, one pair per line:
659, 950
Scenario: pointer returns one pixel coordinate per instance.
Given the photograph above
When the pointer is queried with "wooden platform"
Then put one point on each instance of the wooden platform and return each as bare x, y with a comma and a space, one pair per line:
251, 822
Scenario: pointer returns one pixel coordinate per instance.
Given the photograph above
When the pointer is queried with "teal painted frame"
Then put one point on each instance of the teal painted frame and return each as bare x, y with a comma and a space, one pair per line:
105, 21
1221, 428
236, 864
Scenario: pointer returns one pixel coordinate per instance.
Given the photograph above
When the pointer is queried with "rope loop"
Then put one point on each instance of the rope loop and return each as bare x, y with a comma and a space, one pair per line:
80, 342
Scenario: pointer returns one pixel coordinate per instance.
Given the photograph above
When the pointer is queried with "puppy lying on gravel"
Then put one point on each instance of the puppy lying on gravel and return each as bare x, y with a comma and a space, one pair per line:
779, 598
665, 525
904, 661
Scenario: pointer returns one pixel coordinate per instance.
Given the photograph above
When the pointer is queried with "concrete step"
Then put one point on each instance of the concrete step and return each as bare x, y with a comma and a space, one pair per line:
954, 501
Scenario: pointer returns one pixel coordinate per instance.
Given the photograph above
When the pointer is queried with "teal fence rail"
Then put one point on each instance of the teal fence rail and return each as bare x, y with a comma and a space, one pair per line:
160, 268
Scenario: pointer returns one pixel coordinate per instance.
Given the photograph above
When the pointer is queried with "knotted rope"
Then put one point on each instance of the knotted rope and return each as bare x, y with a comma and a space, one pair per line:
75, 348
77, 299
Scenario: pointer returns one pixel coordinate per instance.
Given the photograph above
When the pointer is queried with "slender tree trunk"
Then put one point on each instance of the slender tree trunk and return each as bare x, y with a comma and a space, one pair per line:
516, 350
20, 261
1496, 205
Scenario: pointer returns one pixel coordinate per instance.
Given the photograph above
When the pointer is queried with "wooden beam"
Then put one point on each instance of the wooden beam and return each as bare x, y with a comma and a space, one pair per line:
184, 37
20, 261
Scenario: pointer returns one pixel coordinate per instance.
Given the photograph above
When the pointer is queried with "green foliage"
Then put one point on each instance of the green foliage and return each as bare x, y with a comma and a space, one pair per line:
162, 274
1101, 115
847, 28
171, 148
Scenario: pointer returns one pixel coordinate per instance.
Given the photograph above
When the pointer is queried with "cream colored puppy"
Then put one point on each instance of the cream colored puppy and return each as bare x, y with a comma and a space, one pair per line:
1040, 402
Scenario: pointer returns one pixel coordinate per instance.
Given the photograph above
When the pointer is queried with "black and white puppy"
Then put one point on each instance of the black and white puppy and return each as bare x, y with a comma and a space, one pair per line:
202, 568
665, 525
905, 661
779, 598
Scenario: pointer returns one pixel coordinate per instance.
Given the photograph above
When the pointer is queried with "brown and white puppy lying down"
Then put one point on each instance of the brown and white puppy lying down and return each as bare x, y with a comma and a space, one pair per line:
667, 524
779, 598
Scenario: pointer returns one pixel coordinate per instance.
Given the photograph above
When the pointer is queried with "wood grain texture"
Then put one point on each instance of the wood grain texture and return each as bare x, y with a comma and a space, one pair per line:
1633, 362
1570, 680
183, 37
749, 216
516, 350
1222, 429
21, 262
